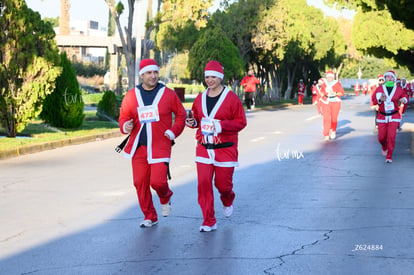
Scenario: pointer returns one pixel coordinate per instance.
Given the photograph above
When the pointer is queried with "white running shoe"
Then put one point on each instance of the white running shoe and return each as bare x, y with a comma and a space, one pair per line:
332, 135
388, 160
228, 210
206, 228
166, 209
147, 223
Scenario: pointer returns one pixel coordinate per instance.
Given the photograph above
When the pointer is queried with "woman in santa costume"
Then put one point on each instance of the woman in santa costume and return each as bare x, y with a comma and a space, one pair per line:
388, 97
146, 115
331, 91
219, 116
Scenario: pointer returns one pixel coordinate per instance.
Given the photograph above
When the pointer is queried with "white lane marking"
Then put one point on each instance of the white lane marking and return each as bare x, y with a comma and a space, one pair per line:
257, 139
313, 117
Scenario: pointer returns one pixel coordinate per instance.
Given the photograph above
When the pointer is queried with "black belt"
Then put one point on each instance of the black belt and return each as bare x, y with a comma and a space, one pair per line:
217, 146
388, 114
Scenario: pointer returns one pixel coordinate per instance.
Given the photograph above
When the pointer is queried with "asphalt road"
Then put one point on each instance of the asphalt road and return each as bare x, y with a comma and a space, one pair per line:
303, 206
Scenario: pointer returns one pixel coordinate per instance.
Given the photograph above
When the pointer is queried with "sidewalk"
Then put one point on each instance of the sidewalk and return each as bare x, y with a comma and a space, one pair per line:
35, 148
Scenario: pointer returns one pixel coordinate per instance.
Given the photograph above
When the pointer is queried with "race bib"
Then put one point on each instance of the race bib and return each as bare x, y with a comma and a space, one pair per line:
148, 114
389, 106
207, 126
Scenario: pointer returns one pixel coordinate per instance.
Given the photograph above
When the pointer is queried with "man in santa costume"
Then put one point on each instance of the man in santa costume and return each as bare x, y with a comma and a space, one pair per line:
320, 99
365, 88
331, 91
375, 107
356, 88
146, 115
407, 89
219, 116
388, 97
301, 91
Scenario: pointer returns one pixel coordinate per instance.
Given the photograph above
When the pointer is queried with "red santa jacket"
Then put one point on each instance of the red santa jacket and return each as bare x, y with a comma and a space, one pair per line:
301, 89
331, 91
219, 149
388, 110
158, 145
406, 87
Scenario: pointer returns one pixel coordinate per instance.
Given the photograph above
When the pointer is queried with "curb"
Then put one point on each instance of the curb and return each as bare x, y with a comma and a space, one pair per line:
35, 148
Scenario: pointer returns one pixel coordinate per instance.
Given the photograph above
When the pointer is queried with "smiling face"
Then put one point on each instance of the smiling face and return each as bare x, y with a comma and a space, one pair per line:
213, 82
149, 80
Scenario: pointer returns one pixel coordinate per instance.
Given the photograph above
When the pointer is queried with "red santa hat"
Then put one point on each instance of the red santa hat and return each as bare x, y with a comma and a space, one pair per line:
398, 80
147, 65
392, 73
330, 74
381, 77
214, 68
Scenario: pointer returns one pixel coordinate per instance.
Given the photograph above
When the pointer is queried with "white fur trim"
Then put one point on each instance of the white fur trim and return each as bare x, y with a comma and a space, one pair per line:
124, 128
149, 68
217, 126
170, 134
214, 73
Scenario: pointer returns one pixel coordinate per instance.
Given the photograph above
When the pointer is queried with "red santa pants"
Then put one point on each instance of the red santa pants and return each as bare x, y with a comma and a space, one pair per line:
330, 116
386, 136
223, 181
319, 106
149, 175
300, 99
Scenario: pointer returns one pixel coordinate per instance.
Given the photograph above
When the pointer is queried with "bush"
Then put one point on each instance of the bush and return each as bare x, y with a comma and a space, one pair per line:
108, 107
88, 70
64, 106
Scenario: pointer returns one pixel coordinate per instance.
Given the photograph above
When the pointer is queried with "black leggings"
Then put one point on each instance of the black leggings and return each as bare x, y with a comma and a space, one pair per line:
249, 99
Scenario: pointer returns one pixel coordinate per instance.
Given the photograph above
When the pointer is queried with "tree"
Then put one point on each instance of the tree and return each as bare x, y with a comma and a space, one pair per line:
213, 44
177, 12
400, 10
376, 33
110, 32
383, 28
64, 106
287, 46
28, 58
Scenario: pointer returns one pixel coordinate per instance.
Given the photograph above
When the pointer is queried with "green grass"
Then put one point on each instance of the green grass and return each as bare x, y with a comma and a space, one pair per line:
36, 132
92, 99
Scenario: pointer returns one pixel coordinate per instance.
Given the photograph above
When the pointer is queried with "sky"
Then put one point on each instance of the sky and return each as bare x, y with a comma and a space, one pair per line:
97, 10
